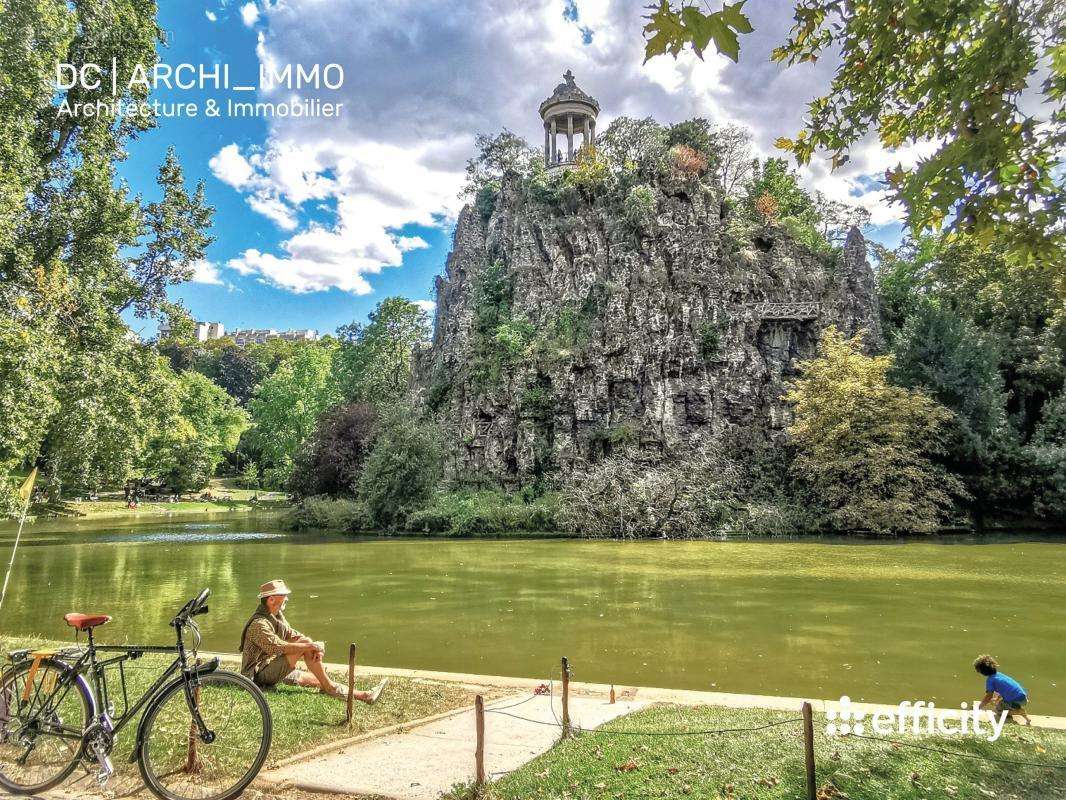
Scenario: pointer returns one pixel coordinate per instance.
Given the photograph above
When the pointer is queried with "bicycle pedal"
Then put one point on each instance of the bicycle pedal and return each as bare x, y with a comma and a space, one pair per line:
105, 772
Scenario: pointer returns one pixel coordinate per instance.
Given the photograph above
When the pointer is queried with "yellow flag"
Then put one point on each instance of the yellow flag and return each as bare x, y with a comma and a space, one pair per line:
26, 490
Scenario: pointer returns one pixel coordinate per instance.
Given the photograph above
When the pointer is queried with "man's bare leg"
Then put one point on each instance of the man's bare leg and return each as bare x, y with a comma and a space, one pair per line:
317, 678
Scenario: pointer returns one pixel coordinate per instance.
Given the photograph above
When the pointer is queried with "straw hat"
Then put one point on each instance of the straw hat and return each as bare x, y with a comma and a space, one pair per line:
271, 588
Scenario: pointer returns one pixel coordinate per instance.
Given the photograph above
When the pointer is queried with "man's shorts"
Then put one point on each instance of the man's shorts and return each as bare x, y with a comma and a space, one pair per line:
1015, 705
273, 672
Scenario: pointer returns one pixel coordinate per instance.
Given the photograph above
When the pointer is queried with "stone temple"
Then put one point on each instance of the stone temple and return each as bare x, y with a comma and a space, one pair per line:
655, 340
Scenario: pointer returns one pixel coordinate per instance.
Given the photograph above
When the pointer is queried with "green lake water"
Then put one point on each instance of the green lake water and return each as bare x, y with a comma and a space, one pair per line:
878, 621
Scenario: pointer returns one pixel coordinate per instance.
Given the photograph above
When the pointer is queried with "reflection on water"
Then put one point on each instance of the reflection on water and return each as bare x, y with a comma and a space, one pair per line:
880, 622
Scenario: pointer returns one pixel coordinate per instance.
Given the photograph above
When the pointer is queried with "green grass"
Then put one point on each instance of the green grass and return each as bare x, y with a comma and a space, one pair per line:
769, 763
227, 497
302, 718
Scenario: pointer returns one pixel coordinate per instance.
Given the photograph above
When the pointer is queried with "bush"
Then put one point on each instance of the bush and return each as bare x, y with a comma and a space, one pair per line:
688, 162
639, 208
693, 133
249, 476
591, 171
485, 200
689, 494
485, 513
402, 469
328, 513
710, 340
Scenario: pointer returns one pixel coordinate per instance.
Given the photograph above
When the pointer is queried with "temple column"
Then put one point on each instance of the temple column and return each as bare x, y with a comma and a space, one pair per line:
588, 134
554, 144
569, 137
547, 147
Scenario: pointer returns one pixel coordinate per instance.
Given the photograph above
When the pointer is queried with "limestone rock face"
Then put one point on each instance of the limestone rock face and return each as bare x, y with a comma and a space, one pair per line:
658, 337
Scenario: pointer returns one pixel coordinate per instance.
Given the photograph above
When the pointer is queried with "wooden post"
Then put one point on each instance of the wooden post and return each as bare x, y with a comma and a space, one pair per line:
351, 683
479, 752
566, 697
808, 751
612, 695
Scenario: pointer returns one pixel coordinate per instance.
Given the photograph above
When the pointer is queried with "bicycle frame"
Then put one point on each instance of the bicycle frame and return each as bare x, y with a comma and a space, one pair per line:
88, 665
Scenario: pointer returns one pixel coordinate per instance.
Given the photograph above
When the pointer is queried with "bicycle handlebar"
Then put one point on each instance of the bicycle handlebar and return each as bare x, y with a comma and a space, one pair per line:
193, 608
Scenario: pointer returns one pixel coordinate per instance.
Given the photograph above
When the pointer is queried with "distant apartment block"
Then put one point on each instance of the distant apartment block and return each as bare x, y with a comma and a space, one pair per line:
247, 336
204, 330
242, 337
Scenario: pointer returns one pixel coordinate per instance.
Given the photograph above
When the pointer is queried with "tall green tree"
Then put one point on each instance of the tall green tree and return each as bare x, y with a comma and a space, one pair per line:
207, 423
287, 405
866, 449
76, 249
402, 469
374, 360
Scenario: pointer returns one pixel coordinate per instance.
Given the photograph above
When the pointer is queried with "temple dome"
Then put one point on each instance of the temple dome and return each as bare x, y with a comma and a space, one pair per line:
569, 92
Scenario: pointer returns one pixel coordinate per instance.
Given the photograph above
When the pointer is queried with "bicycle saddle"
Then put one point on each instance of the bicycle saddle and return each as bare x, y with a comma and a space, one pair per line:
85, 621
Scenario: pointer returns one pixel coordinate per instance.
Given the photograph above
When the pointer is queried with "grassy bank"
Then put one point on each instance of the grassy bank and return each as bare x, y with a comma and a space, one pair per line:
303, 718
225, 498
768, 764
458, 514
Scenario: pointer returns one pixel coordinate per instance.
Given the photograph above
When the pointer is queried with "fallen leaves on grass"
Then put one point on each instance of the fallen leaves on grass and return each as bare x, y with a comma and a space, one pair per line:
628, 766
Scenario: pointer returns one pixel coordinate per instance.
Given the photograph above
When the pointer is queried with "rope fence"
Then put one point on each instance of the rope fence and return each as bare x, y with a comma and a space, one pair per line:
567, 729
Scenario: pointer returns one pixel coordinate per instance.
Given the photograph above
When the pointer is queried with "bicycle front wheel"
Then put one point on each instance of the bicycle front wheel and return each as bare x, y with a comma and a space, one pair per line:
177, 765
44, 712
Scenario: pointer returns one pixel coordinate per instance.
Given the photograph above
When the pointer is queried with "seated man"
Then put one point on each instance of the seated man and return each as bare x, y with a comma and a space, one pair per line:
271, 649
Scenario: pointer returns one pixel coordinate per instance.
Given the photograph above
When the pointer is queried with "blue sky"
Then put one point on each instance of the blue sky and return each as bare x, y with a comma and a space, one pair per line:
318, 220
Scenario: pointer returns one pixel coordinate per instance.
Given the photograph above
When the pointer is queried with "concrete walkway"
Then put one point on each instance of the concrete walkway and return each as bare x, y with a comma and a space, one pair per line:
423, 762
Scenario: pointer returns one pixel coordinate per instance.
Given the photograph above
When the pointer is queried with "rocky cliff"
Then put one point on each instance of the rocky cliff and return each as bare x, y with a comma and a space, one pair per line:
561, 335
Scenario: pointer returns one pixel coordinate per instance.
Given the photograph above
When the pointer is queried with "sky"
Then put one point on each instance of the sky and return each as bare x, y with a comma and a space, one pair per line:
319, 219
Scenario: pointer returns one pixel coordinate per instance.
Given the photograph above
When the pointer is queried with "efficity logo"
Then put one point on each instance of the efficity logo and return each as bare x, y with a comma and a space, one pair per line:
919, 717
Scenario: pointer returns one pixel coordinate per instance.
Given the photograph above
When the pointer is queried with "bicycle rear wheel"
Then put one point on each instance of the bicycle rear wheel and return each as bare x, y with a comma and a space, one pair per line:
177, 765
43, 717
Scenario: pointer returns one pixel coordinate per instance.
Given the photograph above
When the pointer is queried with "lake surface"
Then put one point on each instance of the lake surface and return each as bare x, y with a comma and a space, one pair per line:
880, 622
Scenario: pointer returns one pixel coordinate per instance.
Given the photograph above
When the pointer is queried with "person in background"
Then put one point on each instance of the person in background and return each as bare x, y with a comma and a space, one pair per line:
271, 649
1011, 695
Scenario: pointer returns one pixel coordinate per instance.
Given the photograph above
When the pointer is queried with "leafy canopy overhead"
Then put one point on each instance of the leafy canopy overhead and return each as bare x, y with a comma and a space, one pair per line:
983, 80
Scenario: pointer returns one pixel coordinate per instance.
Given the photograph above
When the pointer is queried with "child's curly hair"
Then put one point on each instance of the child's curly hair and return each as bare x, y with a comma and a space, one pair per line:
986, 665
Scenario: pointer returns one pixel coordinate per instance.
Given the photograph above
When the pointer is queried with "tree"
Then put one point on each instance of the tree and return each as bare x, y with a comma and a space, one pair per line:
239, 373
1048, 455
639, 145
114, 399
287, 405
402, 469
331, 461
695, 133
75, 248
498, 155
373, 361
955, 74
731, 149
206, 425
864, 448
176, 228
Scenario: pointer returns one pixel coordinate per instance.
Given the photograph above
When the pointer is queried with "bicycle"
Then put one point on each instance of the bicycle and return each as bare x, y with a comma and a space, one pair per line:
204, 735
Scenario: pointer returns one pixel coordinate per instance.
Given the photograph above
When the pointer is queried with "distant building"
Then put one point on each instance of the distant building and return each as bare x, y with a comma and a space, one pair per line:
247, 336
242, 337
204, 330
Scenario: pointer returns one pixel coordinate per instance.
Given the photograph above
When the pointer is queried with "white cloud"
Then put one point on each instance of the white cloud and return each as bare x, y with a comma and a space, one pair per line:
229, 166
419, 86
211, 16
206, 272
250, 13
429, 306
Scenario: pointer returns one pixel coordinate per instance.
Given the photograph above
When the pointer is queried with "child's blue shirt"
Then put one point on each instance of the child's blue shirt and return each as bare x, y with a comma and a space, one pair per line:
1006, 687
